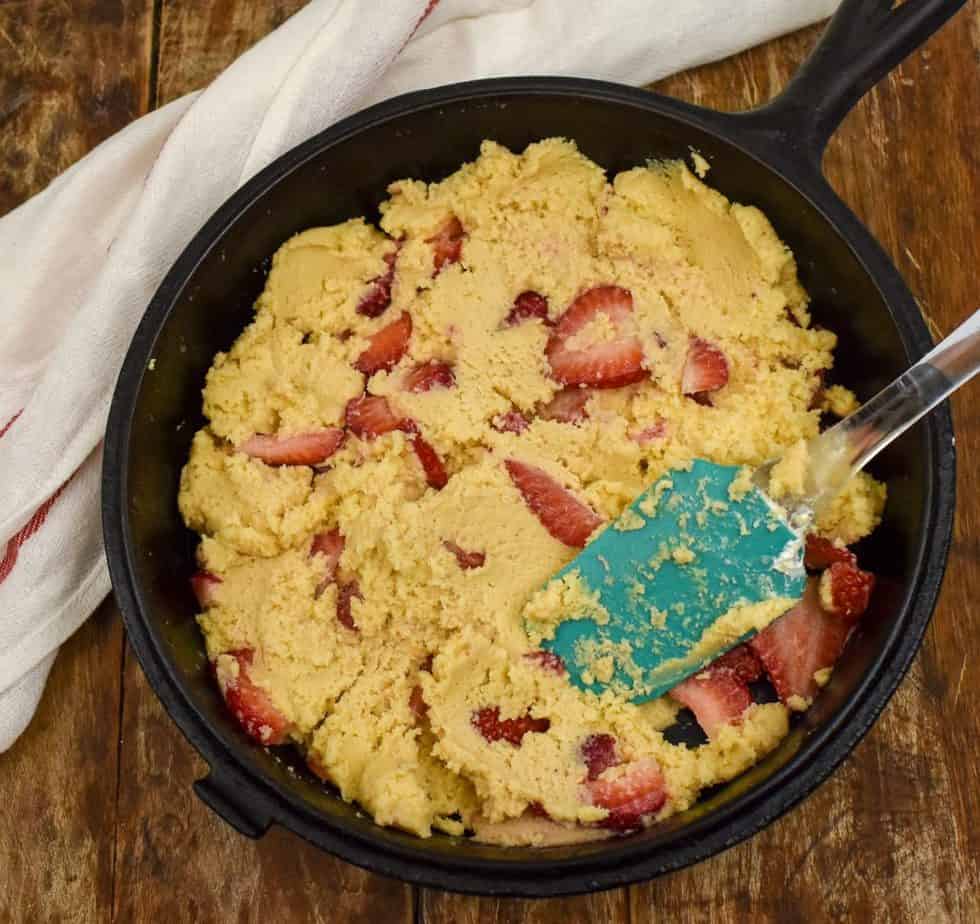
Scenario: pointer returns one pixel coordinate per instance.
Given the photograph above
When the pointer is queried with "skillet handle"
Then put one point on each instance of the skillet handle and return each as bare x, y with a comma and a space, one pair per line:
863, 42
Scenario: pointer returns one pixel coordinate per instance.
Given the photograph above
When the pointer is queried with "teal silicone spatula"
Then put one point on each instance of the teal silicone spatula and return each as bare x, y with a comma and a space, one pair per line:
705, 557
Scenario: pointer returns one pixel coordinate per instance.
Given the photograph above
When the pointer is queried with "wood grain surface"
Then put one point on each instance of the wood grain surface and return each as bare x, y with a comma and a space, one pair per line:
98, 821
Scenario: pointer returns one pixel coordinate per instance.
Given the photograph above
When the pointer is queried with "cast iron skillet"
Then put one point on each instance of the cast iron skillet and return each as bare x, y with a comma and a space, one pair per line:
769, 157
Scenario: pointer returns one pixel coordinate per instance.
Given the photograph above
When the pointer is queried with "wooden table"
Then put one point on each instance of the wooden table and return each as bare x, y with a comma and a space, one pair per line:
97, 818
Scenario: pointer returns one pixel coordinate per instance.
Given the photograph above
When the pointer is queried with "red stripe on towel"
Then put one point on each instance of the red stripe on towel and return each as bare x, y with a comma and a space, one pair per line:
33, 525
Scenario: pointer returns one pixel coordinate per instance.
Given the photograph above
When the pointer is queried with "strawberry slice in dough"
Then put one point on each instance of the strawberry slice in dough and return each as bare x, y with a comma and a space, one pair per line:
821, 553
378, 296
797, 645
845, 590
346, 593
370, 416
599, 754
705, 370
435, 472
329, 546
425, 377
248, 702
528, 306
205, 587
567, 406
565, 517
301, 449
386, 346
488, 723
511, 422
547, 660
742, 661
630, 796
447, 244
466, 560
608, 364
716, 697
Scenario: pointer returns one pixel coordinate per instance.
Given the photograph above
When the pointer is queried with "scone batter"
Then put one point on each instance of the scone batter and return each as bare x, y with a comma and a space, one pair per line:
382, 484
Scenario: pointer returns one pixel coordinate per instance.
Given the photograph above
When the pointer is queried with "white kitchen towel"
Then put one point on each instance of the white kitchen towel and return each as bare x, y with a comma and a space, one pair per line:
80, 261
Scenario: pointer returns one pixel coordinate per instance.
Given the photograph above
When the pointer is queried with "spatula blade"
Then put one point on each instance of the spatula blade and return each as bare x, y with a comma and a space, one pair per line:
697, 564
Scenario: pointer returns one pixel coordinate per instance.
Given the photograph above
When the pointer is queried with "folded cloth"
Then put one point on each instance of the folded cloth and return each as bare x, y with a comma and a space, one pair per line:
80, 261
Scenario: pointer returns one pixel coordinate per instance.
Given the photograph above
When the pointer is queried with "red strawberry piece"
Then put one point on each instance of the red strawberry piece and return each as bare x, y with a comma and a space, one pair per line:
742, 661
526, 306
345, 595
386, 346
565, 517
205, 586
330, 546
845, 590
435, 471
822, 553
548, 660
567, 405
433, 374
603, 365
302, 449
511, 422
716, 697
250, 704
370, 416
652, 434
637, 793
488, 723
378, 296
466, 560
426, 664
537, 810
447, 244
417, 704
705, 370
800, 643
599, 754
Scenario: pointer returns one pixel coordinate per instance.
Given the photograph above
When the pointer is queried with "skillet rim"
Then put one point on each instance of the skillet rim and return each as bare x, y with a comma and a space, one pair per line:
626, 860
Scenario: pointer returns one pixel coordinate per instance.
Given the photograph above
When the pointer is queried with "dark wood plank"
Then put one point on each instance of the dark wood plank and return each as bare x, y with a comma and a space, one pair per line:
443, 908
177, 860
891, 836
59, 787
70, 75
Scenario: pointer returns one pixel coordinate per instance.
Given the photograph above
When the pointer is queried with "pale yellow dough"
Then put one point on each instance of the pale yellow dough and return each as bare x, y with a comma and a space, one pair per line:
546, 220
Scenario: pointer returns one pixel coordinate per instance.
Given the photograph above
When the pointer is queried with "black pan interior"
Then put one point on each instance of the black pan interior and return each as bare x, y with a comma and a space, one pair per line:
210, 298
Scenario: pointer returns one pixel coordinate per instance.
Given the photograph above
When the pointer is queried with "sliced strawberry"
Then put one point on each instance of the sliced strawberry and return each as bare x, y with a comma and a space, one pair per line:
249, 703
435, 472
800, 643
488, 723
466, 560
652, 434
742, 661
447, 244
548, 660
526, 306
630, 797
345, 595
567, 405
378, 296
845, 590
370, 416
537, 810
565, 517
386, 346
426, 664
417, 704
511, 422
330, 546
302, 449
602, 365
822, 553
599, 754
205, 586
705, 370
425, 377
716, 697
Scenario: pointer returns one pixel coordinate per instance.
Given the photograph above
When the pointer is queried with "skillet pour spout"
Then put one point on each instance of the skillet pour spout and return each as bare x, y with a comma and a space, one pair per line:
769, 157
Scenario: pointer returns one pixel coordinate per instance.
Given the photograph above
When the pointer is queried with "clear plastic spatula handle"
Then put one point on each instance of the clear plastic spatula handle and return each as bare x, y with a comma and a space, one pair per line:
847, 447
